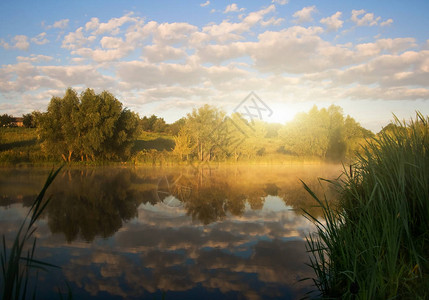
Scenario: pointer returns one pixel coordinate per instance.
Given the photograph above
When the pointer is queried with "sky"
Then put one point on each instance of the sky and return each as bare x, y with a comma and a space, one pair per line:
169, 57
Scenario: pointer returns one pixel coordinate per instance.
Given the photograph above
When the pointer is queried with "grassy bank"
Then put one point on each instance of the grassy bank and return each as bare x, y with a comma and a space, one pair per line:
20, 146
375, 244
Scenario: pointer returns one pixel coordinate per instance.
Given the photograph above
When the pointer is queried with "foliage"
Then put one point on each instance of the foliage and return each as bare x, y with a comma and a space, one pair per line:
201, 131
324, 133
91, 127
88, 126
15, 264
376, 244
176, 126
6, 120
153, 124
27, 120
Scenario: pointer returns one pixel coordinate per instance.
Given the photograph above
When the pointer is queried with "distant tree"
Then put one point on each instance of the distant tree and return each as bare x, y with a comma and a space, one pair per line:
6, 120
183, 144
307, 133
337, 147
88, 126
159, 125
176, 126
324, 133
355, 136
204, 125
28, 121
390, 129
35, 118
272, 130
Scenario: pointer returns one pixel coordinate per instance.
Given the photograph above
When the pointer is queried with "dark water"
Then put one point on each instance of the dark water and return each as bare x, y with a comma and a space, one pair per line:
136, 233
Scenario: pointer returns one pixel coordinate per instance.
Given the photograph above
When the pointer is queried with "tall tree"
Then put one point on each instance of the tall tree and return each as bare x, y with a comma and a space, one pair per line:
88, 127
203, 126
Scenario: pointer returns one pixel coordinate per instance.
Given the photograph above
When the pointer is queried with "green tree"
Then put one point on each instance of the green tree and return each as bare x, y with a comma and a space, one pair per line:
88, 127
6, 120
159, 125
28, 120
337, 147
307, 134
183, 144
203, 127
176, 126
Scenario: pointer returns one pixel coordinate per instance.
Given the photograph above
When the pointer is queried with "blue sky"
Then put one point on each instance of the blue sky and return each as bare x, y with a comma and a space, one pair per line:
167, 57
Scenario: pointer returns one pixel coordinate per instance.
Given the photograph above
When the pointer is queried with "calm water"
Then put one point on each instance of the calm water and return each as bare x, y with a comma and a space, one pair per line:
212, 233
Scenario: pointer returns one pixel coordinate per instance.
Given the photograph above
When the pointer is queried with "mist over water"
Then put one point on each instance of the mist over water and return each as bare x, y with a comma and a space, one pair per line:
230, 232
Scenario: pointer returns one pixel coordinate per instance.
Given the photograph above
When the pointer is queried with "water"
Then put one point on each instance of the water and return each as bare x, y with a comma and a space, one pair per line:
210, 233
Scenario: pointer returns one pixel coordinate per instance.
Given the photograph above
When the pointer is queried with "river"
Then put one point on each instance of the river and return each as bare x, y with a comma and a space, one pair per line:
228, 232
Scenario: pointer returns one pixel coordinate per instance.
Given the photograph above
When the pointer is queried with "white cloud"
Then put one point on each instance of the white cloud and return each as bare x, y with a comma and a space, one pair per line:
297, 50
61, 24
92, 24
40, 39
138, 74
111, 42
34, 58
159, 53
280, 2
205, 3
391, 45
224, 58
305, 15
386, 23
333, 23
227, 31
232, 8
361, 18
87, 76
100, 55
219, 53
112, 26
19, 42
75, 40
173, 33
139, 32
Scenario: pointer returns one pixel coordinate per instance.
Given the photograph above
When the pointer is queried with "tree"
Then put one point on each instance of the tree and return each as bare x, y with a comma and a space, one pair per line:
159, 125
183, 144
324, 133
88, 126
27, 120
307, 133
203, 127
176, 126
6, 120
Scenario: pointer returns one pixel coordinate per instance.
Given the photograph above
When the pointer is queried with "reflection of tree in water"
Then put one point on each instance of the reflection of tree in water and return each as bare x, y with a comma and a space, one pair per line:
211, 197
91, 204
94, 203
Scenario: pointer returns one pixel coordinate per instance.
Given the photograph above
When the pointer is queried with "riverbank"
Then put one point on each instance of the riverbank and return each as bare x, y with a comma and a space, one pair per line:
21, 147
376, 244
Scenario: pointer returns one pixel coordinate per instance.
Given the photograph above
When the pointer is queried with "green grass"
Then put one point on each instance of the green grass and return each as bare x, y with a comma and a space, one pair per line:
375, 243
20, 145
18, 262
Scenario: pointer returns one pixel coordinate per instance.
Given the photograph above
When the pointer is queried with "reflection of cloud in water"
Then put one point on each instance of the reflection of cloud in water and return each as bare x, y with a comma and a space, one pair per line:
241, 238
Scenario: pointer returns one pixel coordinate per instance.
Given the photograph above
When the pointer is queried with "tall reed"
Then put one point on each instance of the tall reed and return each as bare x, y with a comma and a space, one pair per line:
375, 243
18, 262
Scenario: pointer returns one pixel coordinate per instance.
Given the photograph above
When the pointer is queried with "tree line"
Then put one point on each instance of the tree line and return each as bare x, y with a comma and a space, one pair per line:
90, 126
208, 134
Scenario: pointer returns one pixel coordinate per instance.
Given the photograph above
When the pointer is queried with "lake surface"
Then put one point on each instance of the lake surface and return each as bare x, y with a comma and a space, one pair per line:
231, 232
